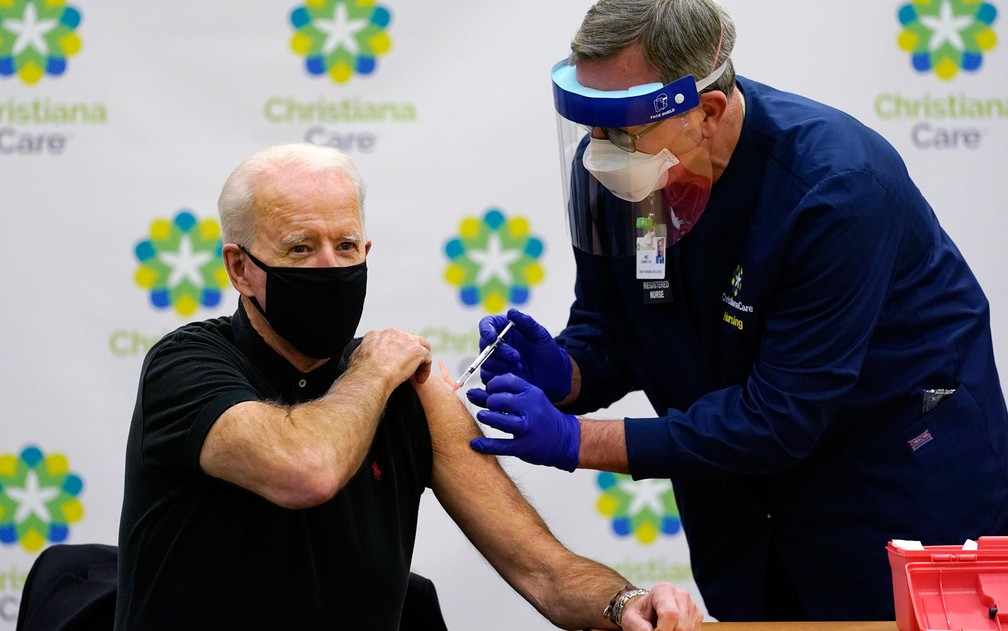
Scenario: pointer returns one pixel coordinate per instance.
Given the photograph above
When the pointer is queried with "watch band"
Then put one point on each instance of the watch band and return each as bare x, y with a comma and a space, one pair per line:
614, 612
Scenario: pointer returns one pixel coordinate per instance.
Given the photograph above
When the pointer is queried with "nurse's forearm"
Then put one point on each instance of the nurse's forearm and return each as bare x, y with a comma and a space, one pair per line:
603, 446
575, 390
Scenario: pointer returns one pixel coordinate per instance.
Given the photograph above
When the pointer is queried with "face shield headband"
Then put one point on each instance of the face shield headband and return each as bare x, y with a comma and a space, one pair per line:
616, 194
638, 105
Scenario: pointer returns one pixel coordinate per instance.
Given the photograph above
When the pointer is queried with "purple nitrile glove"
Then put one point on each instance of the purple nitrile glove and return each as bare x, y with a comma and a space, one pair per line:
541, 433
527, 351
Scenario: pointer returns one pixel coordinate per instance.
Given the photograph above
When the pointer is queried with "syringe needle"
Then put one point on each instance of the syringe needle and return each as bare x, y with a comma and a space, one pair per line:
482, 357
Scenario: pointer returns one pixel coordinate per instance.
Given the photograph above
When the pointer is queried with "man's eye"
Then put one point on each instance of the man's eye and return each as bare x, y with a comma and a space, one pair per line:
299, 249
348, 246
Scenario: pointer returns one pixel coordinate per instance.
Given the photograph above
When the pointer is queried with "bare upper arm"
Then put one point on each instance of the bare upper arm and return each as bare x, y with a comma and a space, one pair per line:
480, 497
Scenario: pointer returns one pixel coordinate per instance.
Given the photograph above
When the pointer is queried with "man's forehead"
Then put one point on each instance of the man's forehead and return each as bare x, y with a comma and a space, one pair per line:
293, 181
625, 69
322, 195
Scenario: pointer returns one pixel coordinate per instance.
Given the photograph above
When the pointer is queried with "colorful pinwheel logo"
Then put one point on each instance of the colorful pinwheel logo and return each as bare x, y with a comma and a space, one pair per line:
38, 498
736, 281
36, 37
642, 508
946, 36
340, 38
181, 263
494, 261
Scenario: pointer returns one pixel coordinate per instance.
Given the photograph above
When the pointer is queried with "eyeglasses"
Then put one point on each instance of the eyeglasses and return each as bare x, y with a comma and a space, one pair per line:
625, 140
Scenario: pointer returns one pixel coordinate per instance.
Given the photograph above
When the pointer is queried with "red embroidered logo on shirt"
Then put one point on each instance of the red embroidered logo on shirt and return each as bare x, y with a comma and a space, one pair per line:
375, 471
919, 441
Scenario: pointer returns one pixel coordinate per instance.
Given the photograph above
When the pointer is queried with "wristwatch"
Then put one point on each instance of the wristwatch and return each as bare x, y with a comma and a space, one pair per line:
614, 612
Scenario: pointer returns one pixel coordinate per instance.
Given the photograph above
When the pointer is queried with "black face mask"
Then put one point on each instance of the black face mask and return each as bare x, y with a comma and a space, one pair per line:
316, 309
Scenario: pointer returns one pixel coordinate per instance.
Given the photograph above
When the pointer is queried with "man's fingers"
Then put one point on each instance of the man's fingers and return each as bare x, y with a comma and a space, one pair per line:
639, 614
423, 371
665, 608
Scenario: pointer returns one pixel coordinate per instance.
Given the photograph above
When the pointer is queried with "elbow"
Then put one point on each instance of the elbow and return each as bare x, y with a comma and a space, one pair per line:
301, 497
307, 483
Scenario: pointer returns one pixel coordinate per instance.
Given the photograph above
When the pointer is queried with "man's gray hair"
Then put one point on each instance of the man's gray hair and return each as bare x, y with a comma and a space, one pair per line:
237, 198
677, 37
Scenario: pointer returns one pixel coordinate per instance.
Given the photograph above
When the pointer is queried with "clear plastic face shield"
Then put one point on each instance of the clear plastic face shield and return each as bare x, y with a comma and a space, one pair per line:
621, 200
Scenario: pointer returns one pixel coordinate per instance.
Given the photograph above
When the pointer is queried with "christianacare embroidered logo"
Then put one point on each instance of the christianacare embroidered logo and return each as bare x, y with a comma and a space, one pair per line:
736, 281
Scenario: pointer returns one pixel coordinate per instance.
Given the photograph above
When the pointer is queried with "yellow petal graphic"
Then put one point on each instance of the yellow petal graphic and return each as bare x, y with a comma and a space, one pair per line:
341, 72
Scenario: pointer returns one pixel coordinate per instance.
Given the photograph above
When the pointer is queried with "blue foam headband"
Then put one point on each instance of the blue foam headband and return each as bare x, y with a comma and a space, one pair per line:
620, 108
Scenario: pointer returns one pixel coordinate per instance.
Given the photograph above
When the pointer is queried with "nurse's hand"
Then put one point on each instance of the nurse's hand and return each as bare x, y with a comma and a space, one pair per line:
541, 433
529, 351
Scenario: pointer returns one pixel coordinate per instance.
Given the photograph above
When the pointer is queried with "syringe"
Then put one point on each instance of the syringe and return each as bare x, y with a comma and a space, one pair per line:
482, 357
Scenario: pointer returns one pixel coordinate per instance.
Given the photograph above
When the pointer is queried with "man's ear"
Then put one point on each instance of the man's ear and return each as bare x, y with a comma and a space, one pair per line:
237, 264
713, 104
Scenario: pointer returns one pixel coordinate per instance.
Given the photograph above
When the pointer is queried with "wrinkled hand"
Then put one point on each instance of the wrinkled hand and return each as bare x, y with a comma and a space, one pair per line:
664, 608
542, 434
396, 355
528, 351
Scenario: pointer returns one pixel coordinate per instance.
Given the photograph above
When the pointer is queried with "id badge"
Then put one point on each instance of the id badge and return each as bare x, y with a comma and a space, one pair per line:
651, 253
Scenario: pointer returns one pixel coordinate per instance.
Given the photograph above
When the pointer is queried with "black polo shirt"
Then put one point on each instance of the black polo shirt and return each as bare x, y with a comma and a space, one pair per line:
196, 552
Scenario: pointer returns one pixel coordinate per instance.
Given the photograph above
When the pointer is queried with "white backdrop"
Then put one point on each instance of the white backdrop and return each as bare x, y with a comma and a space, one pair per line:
110, 166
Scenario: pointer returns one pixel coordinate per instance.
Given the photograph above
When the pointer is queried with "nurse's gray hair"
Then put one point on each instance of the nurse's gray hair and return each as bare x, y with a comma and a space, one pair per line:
237, 198
677, 37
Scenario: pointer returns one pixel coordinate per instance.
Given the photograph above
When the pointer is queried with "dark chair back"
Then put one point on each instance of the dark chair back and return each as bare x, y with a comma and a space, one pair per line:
70, 587
421, 609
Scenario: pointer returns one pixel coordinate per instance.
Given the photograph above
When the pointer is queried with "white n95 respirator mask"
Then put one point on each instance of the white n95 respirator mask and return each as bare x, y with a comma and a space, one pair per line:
629, 176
